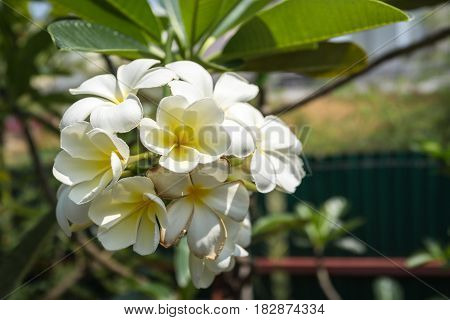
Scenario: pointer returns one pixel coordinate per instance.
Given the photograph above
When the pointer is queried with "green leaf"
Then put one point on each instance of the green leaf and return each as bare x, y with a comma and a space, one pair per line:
413, 4
276, 223
351, 244
198, 16
181, 261
434, 248
175, 19
19, 261
100, 12
77, 35
418, 259
240, 13
343, 228
334, 208
192, 19
387, 289
140, 12
290, 24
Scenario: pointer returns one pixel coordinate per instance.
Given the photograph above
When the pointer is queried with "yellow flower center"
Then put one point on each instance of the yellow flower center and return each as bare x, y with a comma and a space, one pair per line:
185, 135
196, 193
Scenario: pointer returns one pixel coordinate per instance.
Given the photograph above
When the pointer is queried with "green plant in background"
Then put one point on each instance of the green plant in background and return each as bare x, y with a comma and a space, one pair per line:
385, 288
438, 151
325, 227
316, 228
433, 251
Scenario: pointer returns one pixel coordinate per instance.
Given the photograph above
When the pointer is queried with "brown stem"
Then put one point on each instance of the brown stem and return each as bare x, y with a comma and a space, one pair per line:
47, 124
68, 281
36, 159
333, 85
324, 278
106, 260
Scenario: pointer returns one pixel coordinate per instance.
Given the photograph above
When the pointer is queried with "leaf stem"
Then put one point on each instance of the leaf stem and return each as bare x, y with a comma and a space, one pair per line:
138, 157
324, 277
168, 46
214, 66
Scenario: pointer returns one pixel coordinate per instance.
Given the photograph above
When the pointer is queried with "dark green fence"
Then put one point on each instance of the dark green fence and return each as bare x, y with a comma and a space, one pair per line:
403, 197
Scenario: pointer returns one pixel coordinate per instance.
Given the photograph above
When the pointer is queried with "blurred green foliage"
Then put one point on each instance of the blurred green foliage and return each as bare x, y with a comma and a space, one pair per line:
433, 251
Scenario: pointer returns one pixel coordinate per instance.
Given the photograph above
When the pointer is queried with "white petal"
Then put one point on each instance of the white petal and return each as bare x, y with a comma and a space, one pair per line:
288, 176
185, 89
71, 170
129, 75
206, 234
157, 209
121, 118
68, 212
240, 252
201, 277
169, 114
154, 138
62, 220
108, 143
276, 135
147, 237
230, 199
223, 261
104, 86
75, 141
180, 159
80, 110
210, 175
132, 189
88, 190
212, 142
116, 167
202, 113
244, 235
179, 213
245, 114
232, 88
121, 234
156, 77
194, 73
232, 228
169, 184
242, 142
262, 172
106, 210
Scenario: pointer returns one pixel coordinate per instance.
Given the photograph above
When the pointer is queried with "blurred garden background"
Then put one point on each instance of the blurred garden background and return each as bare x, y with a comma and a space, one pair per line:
376, 150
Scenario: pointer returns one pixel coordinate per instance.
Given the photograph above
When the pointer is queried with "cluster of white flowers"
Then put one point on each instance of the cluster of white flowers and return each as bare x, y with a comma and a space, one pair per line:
198, 132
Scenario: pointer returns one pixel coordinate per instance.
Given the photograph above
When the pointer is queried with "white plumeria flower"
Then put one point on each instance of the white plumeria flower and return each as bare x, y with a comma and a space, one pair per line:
185, 134
203, 271
69, 214
230, 93
91, 160
128, 214
114, 106
202, 202
275, 160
